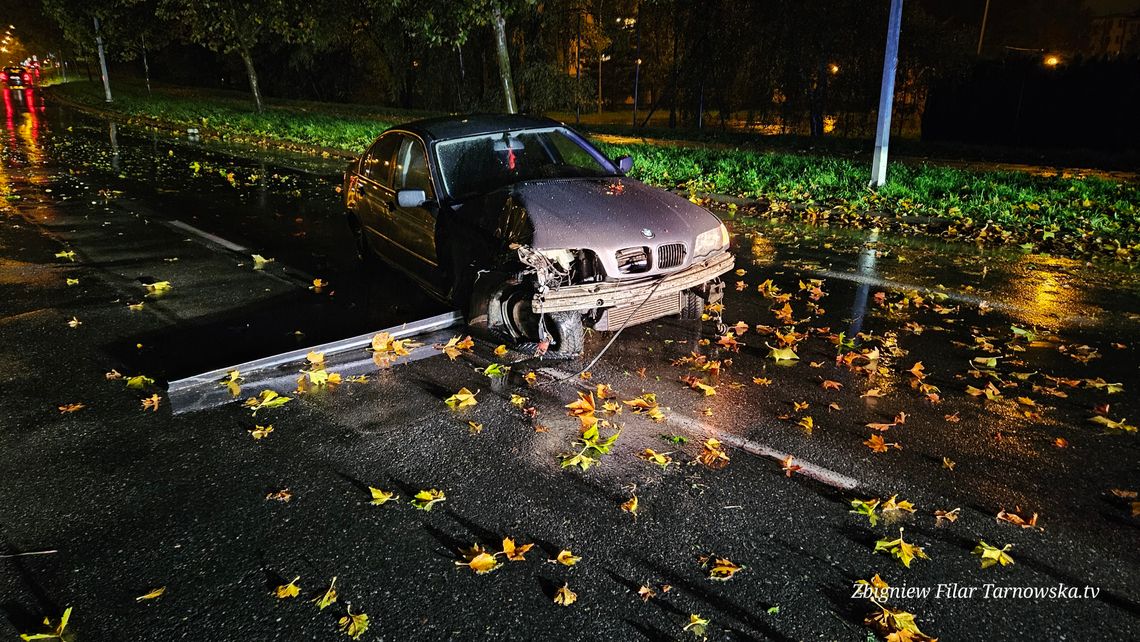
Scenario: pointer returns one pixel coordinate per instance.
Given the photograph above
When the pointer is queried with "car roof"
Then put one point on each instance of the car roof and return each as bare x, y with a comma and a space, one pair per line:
446, 127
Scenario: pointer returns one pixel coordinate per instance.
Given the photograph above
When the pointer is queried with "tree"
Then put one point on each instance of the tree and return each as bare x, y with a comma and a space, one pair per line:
450, 23
139, 30
240, 26
91, 21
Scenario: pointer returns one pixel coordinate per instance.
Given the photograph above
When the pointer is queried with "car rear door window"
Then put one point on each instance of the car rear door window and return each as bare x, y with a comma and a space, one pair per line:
412, 167
377, 164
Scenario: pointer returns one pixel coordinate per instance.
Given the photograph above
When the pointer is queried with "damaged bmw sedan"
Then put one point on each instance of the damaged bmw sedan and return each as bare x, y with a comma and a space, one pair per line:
528, 228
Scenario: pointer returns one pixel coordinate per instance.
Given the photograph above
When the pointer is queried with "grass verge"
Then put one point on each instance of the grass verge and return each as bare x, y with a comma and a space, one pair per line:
1069, 215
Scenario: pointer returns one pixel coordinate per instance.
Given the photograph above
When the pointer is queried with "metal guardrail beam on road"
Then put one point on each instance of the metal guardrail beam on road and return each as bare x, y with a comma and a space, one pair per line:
201, 391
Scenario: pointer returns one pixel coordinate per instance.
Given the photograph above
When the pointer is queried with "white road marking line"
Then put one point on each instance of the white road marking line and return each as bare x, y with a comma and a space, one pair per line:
290, 275
807, 469
896, 285
213, 238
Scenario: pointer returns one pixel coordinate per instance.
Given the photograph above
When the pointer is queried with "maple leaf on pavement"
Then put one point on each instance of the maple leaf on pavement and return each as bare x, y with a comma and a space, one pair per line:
289, 590
327, 598
902, 550
564, 596
992, 555
353, 624
461, 399
479, 560
514, 552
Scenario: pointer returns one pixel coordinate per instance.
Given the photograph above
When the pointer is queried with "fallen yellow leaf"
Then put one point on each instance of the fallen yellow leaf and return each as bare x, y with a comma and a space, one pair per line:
379, 497
288, 590
152, 594
461, 399
564, 596
566, 558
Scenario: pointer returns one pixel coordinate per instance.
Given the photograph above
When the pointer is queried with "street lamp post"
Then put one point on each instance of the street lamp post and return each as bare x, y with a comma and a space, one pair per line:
982, 32
578, 73
886, 97
636, 78
601, 57
637, 63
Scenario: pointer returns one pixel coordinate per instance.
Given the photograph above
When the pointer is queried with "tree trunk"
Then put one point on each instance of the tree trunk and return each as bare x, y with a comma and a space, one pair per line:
252, 73
146, 70
500, 26
462, 78
102, 62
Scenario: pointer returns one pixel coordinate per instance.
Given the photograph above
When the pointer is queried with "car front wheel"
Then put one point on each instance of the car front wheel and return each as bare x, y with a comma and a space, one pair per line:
502, 306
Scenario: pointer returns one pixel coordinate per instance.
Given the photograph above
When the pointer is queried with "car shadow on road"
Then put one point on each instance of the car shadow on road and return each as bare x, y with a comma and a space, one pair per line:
720, 602
16, 613
635, 589
651, 633
21, 618
452, 546
359, 485
488, 538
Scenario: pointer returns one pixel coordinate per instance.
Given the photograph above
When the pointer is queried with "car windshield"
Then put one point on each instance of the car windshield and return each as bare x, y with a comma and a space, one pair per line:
480, 164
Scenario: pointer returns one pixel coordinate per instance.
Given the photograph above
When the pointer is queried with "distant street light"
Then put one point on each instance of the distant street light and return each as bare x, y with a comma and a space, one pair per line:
832, 68
1052, 60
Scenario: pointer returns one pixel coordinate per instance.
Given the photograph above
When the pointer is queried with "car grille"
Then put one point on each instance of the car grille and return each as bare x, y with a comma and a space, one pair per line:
670, 256
655, 308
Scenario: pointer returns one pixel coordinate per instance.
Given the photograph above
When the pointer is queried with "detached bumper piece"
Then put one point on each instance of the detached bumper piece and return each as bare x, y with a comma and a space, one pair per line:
624, 303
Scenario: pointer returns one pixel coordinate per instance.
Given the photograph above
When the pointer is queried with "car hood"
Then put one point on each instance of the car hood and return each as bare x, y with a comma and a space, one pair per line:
609, 214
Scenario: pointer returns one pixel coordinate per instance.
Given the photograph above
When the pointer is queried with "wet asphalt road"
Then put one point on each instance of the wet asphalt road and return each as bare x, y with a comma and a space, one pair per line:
133, 499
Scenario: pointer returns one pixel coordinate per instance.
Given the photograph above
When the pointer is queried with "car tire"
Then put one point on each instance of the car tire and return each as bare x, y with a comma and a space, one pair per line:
693, 307
499, 307
569, 334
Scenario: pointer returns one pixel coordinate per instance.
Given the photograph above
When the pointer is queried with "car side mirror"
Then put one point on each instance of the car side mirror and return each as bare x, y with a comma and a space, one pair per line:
411, 197
625, 164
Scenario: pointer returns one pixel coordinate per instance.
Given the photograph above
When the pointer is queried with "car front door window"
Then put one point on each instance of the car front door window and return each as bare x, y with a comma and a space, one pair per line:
414, 228
377, 165
412, 167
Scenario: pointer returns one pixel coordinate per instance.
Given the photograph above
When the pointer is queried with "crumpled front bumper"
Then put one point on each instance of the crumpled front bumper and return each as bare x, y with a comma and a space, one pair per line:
625, 294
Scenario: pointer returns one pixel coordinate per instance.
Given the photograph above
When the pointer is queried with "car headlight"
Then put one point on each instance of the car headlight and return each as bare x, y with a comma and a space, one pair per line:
710, 241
